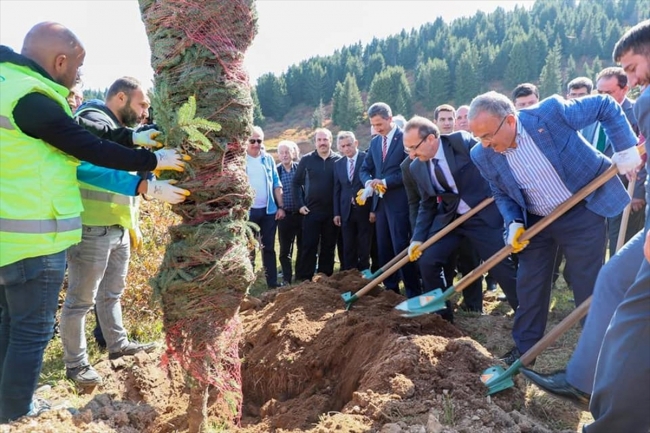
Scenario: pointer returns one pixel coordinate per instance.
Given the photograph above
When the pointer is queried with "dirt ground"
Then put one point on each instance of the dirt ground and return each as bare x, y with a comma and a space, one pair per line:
311, 366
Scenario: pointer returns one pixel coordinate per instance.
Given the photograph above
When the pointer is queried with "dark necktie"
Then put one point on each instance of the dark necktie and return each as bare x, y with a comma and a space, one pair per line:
602, 140
440, 176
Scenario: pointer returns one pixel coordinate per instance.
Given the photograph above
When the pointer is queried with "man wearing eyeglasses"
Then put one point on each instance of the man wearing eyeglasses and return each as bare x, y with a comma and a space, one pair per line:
534, 160
442, 168
268, 207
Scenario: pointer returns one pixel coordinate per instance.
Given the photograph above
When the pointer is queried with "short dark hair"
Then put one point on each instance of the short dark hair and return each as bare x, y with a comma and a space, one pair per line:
124, 84
636, 39
443, 107
423, 125
580, 82
380, 109
614, 71
525, 89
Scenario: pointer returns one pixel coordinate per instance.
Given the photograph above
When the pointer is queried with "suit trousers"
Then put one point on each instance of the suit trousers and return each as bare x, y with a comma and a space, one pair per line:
317, 229
580, 233
621, 396
614, 279
289, 231
268, 226
485, 240
356, 240
393, 229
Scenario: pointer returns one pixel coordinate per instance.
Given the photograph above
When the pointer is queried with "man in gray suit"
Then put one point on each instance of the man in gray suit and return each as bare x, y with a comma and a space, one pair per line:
613, 81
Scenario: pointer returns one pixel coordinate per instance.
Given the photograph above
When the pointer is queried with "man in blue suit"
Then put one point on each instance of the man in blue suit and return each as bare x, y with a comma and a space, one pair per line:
381, 171
534, 160
442, 168
613, 81
354, 219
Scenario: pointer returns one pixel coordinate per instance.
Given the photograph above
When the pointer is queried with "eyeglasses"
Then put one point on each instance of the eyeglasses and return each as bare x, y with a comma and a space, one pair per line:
255, 140
489, 137
414, 148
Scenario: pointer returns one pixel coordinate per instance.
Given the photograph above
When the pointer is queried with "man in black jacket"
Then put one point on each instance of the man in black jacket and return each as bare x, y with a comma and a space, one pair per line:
312, 190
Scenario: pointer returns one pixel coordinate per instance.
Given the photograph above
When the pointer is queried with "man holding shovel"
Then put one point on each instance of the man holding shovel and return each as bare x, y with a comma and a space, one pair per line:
534, 160
612, 358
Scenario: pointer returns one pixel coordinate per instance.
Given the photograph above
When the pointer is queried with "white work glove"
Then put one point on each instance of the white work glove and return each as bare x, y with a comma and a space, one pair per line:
165, 191
147, 138
627, 161
414, 251
515, 230
364, 194
170, 159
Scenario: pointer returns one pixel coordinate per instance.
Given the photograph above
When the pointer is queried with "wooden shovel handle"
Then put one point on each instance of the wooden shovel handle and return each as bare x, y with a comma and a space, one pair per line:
626, 215
433, 239
535, 229
557, 331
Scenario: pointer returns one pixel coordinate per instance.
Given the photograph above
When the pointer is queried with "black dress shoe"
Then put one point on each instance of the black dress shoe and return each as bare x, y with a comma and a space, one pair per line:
512, 356
492, 286
556, 384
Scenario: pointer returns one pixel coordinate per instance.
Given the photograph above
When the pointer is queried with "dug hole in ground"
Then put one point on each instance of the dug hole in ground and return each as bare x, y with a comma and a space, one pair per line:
311, 366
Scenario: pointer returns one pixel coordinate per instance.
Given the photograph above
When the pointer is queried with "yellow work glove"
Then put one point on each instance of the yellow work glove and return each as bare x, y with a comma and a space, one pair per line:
363, 195
515, 230
170, 159
147, 138
381, 190
135, 236
414, 251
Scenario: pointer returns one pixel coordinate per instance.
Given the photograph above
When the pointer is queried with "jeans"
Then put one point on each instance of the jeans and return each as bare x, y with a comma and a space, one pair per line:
268, 226
97, 269
29, 293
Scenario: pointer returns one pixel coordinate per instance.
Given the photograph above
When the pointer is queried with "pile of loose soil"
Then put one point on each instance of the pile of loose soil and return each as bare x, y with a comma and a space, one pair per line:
310, 365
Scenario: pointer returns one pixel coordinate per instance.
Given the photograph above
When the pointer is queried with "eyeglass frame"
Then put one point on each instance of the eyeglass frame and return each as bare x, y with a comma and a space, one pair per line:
491, 136
414, 148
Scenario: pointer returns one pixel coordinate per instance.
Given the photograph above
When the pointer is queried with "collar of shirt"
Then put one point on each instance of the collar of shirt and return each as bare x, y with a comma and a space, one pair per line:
354, 158
521, 134
391, 134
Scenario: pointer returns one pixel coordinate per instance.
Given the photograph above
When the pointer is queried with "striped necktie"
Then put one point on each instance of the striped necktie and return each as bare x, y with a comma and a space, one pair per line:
384, 149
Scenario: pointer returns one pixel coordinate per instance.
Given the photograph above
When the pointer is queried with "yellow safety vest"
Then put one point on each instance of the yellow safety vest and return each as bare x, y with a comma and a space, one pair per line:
39, 194
103, 207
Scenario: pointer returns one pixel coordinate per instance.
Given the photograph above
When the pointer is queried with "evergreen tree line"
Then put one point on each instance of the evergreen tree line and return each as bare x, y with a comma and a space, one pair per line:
550, 44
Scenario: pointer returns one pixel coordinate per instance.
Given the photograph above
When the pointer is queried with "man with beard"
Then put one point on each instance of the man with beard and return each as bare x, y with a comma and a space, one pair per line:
98, 265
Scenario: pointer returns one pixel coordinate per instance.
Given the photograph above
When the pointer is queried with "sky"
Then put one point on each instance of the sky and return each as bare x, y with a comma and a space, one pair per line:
289, 31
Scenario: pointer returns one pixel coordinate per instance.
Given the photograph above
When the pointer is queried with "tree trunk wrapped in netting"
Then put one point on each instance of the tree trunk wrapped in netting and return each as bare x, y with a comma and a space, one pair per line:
197, 51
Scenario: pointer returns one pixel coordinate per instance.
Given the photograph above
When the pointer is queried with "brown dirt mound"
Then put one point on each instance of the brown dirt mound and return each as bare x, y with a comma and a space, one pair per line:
310, 365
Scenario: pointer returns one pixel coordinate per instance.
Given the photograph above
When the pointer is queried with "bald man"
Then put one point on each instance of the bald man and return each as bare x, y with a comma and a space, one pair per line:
40, 204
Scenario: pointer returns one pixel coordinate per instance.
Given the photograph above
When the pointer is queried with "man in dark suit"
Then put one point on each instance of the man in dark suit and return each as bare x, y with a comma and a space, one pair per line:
534, 160
354, 219
381, 171
613, 81
442, 168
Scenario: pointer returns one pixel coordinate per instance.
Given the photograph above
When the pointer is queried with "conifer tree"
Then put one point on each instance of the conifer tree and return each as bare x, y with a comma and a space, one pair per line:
550, 80
347, 105
392, 87
433, 83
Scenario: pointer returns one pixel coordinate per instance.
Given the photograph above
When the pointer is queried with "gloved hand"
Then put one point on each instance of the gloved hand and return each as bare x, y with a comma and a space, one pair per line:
135, 238
414, 251
363, 195
146, 138
627, 161
381, 190
170, 159
163, 190
515, 230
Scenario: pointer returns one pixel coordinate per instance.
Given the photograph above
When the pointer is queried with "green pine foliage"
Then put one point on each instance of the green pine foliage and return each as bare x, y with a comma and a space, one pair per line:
392, 87
195, 127
433, 83
550, 80
347, 105
485, 51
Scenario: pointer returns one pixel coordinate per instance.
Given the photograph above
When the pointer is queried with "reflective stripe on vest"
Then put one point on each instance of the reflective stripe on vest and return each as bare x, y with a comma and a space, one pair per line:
42, 226
106, 196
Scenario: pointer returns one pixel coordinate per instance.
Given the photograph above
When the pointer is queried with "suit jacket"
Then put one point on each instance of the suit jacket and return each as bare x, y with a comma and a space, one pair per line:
472, 188
590, 134
642, 111
374, 168
553, 125
412, 192
344, 190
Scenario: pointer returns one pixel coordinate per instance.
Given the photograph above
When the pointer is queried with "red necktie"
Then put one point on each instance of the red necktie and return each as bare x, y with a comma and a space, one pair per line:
384, 149
351, 171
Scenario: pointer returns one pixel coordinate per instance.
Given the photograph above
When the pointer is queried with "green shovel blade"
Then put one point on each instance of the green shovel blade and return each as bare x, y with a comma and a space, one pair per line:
430, 302
497, 379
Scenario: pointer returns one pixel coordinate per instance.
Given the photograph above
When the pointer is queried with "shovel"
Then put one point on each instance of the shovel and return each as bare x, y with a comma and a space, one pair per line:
497, 379
369, 275
435, 300
349, 298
